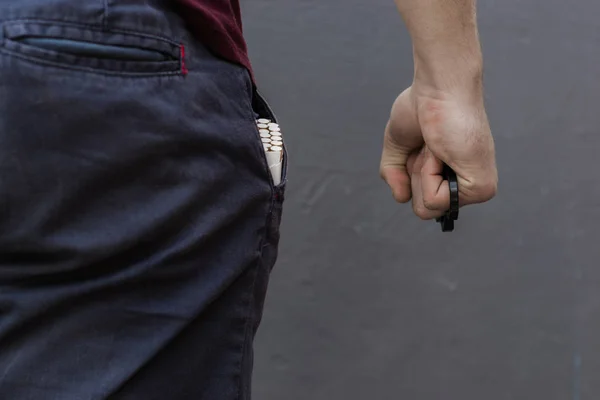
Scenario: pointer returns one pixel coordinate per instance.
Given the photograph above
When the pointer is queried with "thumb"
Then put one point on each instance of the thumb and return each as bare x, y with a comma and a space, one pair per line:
395, 168
402, 139
436, 192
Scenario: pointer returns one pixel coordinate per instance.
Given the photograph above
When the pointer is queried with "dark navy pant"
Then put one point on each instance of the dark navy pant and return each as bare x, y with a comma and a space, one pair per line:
138, 219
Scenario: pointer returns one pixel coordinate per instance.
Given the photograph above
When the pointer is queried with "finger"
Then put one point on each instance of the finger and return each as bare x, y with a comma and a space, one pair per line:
402, 137
435, 190
399, 182
410, 164
417, 189
406, 184
393, 169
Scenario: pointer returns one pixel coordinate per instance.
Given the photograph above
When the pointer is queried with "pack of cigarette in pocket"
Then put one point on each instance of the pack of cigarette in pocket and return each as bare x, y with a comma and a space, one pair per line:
272, 141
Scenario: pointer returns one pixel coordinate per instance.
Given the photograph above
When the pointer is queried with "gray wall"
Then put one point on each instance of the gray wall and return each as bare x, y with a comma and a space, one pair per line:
368, 302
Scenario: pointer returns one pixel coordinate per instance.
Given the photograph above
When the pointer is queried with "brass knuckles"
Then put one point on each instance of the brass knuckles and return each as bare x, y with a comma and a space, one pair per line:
447, 220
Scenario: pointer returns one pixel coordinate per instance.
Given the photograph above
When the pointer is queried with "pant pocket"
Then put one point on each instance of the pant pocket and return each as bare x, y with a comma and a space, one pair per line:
96, 50
270, 248
73, 46
264, 111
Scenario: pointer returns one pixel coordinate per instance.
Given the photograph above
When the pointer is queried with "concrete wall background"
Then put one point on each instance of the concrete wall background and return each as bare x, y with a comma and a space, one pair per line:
367, 302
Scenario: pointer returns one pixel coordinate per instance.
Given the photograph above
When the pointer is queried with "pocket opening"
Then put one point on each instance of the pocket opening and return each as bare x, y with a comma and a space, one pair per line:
262, 109
90, 49
95, 50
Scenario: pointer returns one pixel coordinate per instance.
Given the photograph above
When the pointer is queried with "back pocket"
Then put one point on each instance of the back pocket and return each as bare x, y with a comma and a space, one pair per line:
73, 46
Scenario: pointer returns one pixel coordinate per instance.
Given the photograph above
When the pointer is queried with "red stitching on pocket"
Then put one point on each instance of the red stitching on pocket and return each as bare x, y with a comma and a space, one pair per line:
184, 69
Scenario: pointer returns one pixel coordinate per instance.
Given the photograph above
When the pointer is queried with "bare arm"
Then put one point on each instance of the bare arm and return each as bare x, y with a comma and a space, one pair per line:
441, 118
445, 40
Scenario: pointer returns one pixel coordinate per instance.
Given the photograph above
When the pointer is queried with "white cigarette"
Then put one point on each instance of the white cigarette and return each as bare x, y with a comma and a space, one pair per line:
265, 140
274, 126
263, 131
262, 126
264, 121
276, 142
266, 146
275, 133
276, 148
265, 135
274, 161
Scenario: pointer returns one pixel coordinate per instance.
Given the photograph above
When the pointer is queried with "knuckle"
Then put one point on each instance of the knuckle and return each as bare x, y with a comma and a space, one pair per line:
421, 212
489, 191
482, 190
488, 188
429, 203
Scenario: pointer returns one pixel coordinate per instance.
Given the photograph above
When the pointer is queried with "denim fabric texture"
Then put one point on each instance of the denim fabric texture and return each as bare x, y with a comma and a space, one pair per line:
138, 220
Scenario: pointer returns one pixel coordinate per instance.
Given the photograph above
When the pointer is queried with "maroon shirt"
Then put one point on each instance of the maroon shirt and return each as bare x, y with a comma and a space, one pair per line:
218, 24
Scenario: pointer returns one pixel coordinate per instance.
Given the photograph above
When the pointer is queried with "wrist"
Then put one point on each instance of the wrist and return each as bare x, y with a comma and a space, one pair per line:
450, 79
449, 69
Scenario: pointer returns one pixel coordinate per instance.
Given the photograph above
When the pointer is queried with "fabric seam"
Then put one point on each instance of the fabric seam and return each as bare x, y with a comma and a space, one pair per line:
250, 317
97, 28
262, 244
175, 72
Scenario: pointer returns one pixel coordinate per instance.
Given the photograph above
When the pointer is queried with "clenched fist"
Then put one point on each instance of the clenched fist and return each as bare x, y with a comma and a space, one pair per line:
428, 128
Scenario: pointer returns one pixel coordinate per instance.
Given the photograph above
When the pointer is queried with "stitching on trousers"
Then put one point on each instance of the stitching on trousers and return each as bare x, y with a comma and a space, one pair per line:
184, 69
97, 71
96, 28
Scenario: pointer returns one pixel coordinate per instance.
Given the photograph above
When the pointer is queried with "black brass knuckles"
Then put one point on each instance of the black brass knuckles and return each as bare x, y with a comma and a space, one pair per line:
447, 220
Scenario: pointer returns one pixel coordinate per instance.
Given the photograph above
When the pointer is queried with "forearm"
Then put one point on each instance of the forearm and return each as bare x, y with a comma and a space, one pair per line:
446, 47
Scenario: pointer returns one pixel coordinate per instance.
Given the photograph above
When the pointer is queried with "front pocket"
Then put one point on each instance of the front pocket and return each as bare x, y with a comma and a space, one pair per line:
73, 46
263, 110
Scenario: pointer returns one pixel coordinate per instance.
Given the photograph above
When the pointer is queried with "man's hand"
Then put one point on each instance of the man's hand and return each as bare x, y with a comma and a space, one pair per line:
441, 118
428, 128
